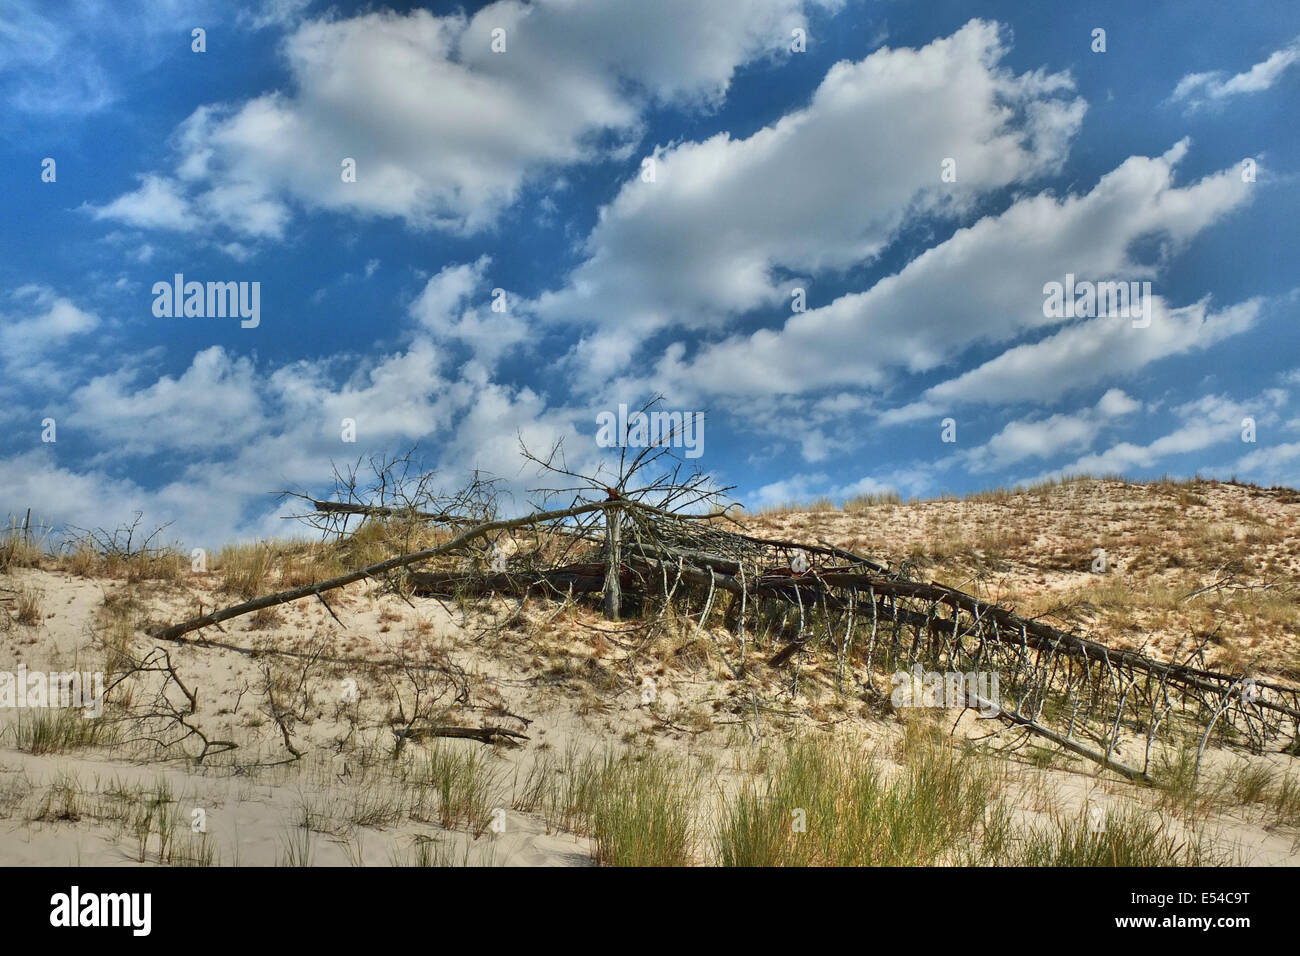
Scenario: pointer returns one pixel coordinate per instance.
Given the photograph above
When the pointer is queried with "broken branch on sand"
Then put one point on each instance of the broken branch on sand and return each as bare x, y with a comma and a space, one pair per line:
486, 734
371, 571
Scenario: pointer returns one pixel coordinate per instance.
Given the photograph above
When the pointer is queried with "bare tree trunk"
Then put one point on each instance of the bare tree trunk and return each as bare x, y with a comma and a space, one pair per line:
614, 559
487, 735
375, 511
306, 590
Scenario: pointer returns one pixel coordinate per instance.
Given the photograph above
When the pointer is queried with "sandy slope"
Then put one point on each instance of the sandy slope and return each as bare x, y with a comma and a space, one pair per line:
1162, 541
578, 680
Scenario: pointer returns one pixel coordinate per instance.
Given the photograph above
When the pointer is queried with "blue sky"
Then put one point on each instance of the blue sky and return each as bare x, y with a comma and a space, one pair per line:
524, 170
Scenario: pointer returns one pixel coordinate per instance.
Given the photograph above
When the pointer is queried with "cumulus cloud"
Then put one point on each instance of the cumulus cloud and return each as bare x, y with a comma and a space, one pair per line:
820, 189
983, 285
55, 321
456, 305
229, 432
805, 488
443, 130
1278, 463
80, 497
794, 489
212, 404
445, 293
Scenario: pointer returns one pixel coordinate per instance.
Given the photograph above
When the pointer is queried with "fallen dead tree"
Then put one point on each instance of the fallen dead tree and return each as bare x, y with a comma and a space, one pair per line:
1049, 673
824, 587
798, 603
400, 501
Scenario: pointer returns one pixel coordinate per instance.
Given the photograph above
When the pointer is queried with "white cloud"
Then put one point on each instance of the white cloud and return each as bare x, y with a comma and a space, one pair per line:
392, 398
1050, 436
1200, 89
34, 343
59, 495
983, 285
157, 204
57, 321
238, 433
444, 308
446, 293
1115, 403
796, 489
212, 404
804, 488
1208, 421
1279, 463
823, 188
443, 130
1094, 350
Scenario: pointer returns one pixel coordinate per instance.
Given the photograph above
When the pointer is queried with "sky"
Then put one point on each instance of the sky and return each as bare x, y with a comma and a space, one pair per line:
829, 227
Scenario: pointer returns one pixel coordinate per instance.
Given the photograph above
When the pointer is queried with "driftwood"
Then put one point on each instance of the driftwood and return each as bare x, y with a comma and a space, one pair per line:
487, 735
